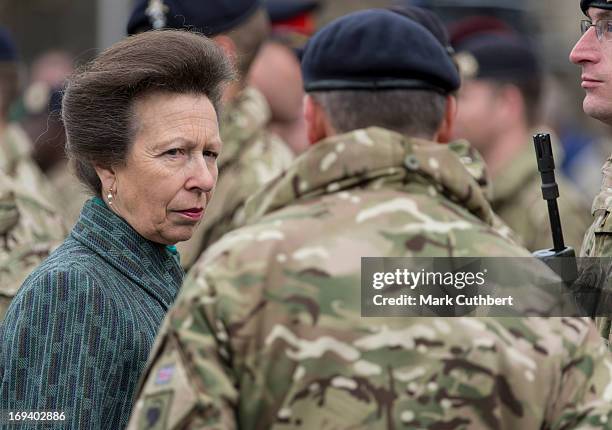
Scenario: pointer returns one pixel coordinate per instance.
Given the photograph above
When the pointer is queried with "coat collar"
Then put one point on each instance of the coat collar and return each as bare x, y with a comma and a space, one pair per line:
150, 265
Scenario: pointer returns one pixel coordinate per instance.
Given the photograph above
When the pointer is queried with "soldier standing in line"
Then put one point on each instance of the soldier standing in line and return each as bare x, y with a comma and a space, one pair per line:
251, 156
30, 227
15, 146
498, 113
267, 333
276, 71
29, 230
593, 52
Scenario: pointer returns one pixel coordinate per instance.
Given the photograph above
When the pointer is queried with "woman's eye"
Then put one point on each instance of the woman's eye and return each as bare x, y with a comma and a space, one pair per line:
174, 152
211, 154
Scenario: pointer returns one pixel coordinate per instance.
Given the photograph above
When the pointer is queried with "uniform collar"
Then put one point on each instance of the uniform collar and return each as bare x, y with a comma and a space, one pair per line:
515, 174
371, 158
474, 163
150, 265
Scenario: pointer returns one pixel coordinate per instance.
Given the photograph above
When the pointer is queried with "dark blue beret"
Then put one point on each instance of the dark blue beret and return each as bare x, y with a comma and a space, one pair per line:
282, 10
210, 17
377, 49
601, 4
498, 56
427, 19
8, 51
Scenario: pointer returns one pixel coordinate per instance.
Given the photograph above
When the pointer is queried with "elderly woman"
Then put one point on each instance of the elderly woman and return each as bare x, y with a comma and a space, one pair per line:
141, 123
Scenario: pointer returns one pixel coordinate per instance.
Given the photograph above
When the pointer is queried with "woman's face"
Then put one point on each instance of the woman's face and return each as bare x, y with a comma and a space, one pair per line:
171, 169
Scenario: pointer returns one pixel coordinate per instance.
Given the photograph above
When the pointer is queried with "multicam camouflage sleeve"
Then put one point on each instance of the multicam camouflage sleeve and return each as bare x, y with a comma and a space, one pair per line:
29, 230
598, 238
584, 394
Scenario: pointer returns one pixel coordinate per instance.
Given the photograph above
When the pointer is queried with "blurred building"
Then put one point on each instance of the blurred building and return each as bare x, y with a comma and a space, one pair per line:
80, 27
83, 27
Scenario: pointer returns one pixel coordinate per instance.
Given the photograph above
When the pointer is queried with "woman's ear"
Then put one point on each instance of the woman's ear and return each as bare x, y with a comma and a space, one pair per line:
108, 178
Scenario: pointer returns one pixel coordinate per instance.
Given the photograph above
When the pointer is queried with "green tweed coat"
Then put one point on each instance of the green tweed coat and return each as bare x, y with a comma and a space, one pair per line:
77, 335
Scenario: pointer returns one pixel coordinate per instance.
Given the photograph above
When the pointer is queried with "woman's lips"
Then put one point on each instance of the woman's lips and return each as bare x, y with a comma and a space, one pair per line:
193, 213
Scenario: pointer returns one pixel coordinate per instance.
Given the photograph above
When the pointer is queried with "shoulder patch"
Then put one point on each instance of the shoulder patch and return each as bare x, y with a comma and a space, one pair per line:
155, 411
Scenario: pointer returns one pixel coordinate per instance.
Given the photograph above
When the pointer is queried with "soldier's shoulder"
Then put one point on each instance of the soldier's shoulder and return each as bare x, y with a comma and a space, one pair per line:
382, 222
16, 142
266, 148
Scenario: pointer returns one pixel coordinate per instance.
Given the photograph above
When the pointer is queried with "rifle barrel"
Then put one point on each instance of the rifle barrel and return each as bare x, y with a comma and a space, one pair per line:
550, 189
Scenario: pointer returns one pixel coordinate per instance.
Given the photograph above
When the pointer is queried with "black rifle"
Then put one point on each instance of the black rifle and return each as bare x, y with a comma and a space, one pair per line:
584, 283
560, 258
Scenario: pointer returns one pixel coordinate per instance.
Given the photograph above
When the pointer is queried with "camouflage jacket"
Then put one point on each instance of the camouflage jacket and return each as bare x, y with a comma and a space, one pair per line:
74, 194
517, 199
598, 238
29, 231
267, 333
251, 156
16, 162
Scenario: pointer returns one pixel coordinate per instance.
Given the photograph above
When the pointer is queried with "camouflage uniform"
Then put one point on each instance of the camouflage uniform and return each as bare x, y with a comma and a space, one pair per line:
74, 194
251, 157
517, 199
598, 238
267, 333
16, 162
476, 167
29, 230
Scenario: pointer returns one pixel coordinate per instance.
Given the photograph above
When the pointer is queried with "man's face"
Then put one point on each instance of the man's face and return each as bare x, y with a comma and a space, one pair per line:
477, 114
595, 58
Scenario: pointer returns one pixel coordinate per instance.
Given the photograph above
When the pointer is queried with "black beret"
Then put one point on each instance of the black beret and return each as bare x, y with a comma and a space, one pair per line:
601, 4
377, 49
427, 19
210, 17
282, 10
8, 51
497, 56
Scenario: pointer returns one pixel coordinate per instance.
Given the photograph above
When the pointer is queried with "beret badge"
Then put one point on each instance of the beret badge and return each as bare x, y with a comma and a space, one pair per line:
156, 12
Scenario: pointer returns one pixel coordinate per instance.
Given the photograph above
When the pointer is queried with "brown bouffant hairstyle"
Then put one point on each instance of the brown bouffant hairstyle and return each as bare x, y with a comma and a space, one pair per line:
97, 107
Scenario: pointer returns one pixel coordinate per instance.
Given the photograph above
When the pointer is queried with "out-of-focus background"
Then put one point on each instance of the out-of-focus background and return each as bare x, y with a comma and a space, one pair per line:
54, 35
83, 26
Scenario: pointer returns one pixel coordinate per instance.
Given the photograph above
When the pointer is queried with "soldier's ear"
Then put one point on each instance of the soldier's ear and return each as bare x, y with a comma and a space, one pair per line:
445, 131
317, 123
228, 46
